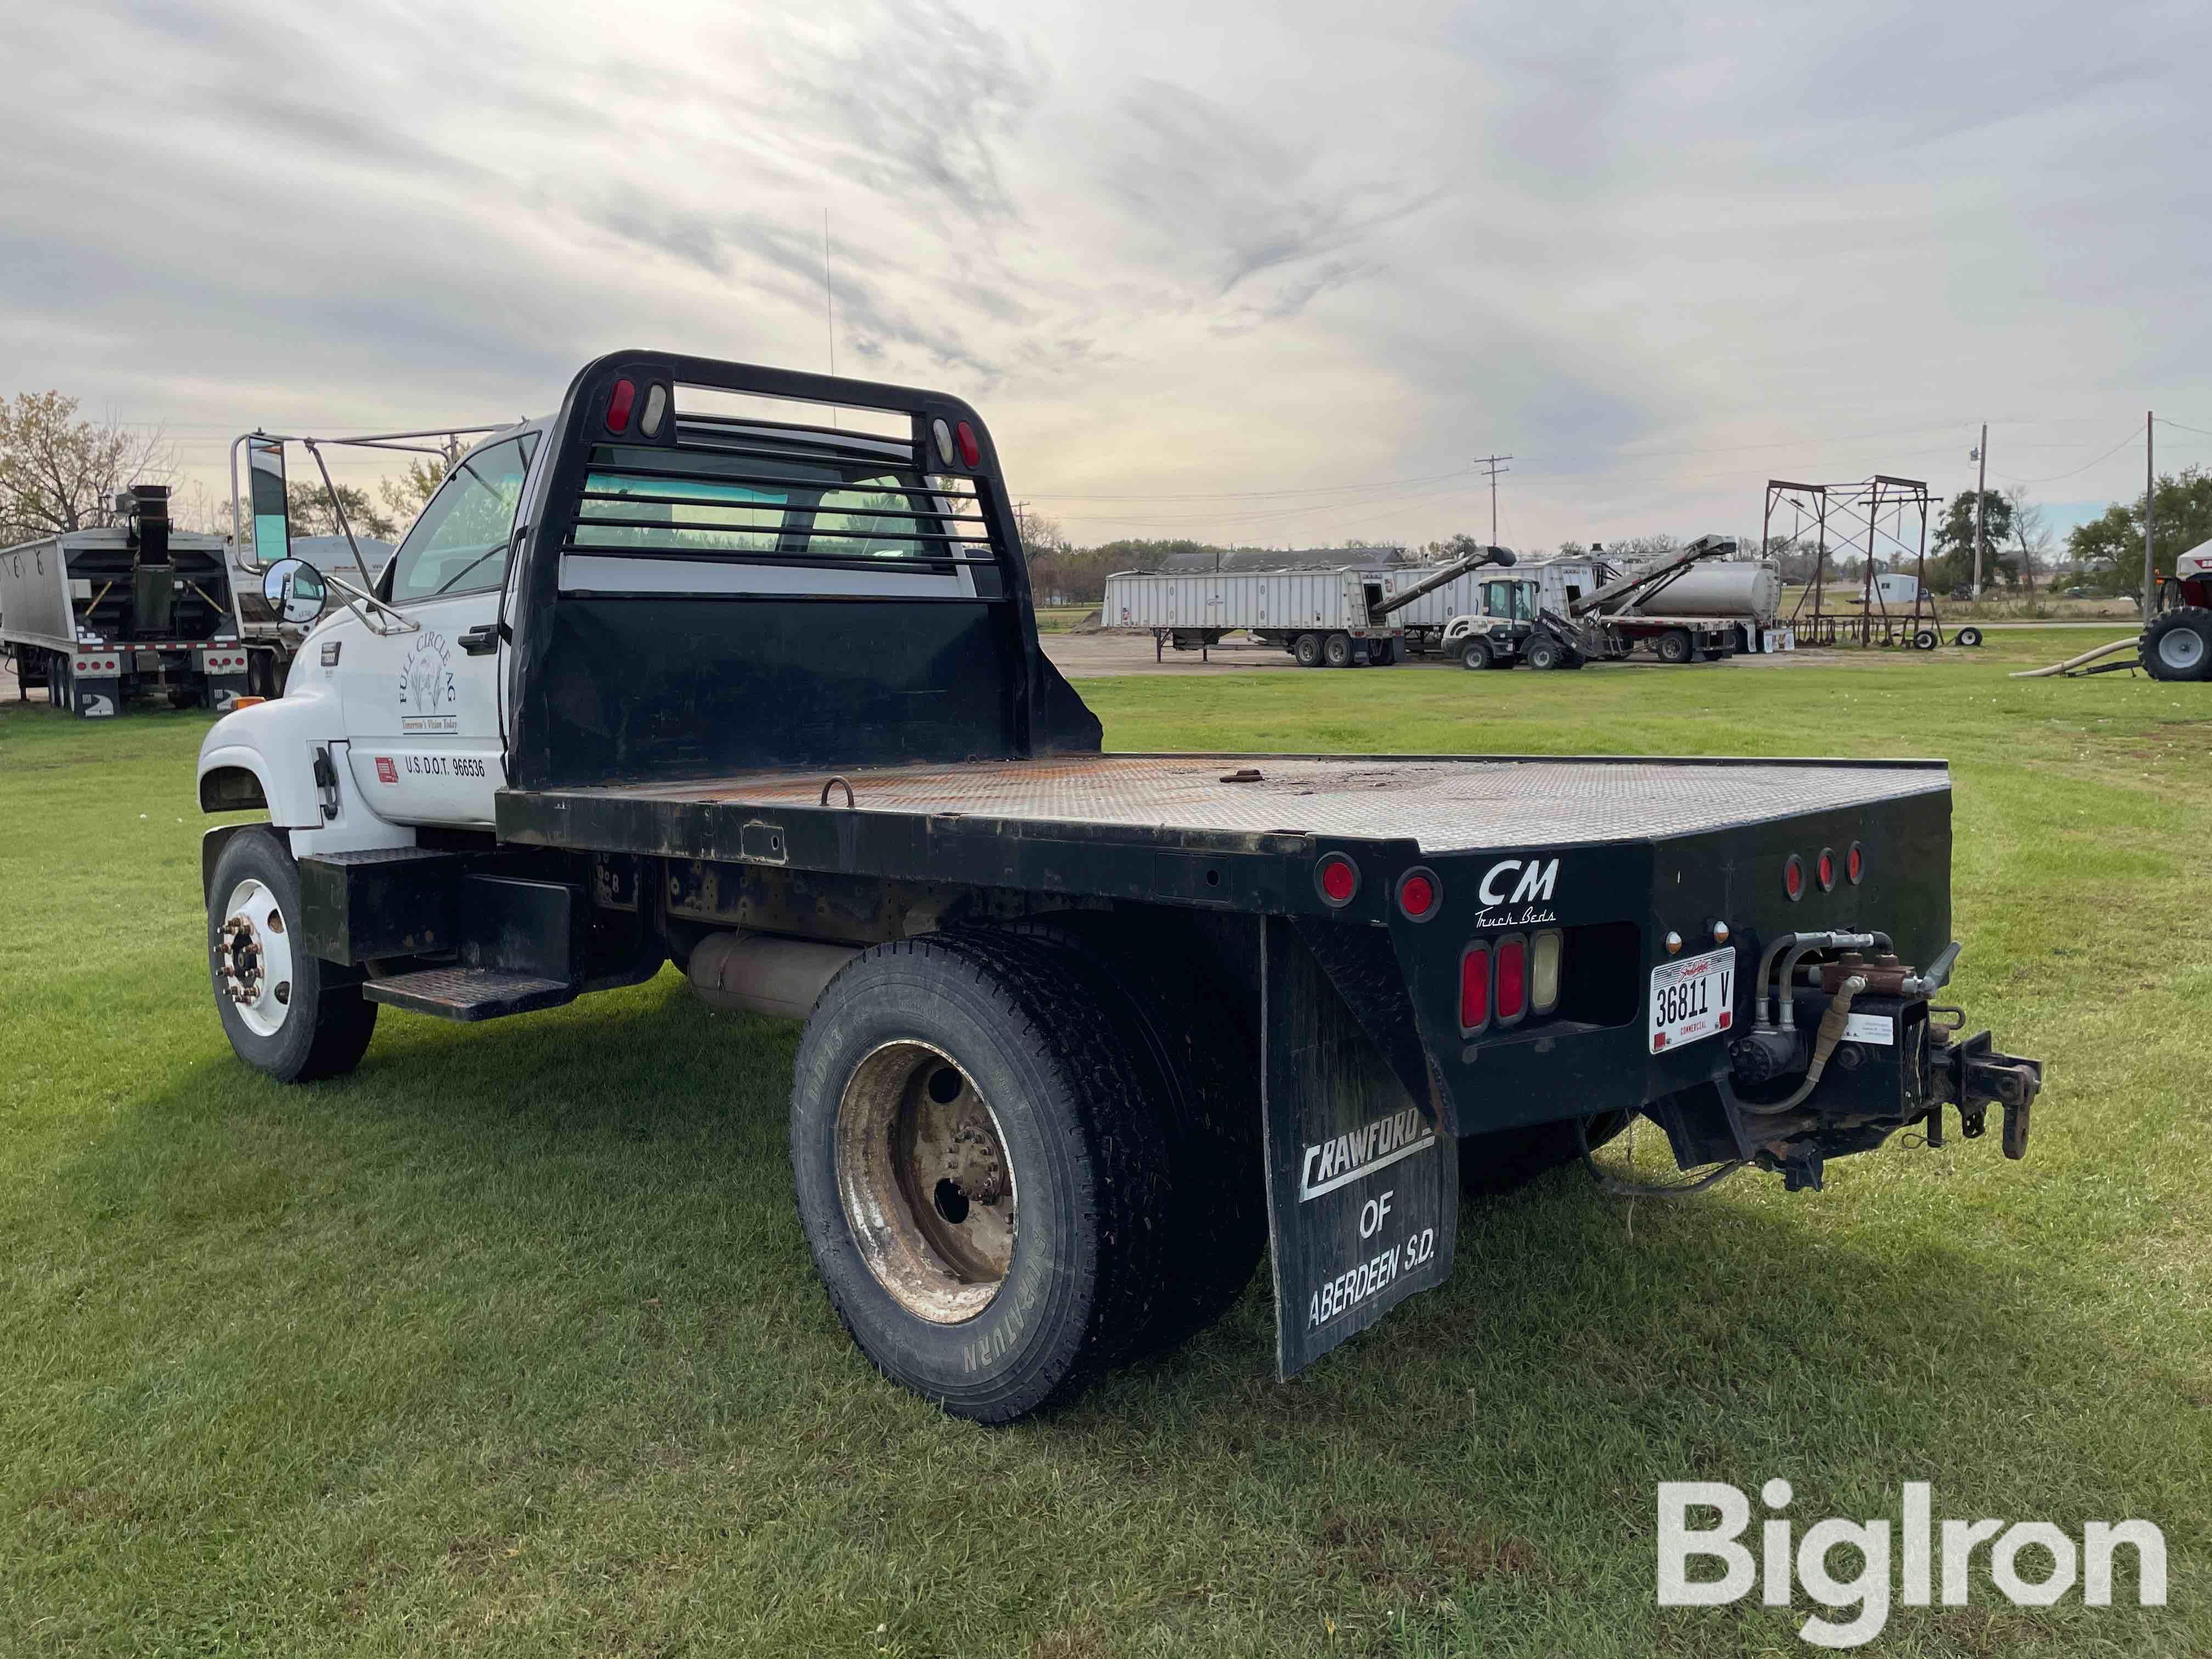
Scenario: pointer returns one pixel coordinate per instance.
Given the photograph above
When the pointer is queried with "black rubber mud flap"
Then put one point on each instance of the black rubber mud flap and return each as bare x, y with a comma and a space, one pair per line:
1363, 1192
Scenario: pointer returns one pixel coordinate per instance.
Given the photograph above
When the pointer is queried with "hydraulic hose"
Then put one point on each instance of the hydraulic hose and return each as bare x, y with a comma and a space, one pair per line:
1831, 1032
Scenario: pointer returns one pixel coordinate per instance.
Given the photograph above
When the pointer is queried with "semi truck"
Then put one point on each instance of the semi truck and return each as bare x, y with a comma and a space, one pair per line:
1343, 618
99, 617
1086, 1034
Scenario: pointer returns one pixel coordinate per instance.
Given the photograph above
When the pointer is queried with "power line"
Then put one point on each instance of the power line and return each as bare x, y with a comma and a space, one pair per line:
2084, 467
1492, 463
1243, 494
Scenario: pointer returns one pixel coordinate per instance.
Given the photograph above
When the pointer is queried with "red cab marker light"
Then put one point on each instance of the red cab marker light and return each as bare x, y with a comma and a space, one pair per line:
1473, 989
1826, 869
619, 403
1418, 894
1338, 878
1854, 863
971, 452
1793, 878
1512, 992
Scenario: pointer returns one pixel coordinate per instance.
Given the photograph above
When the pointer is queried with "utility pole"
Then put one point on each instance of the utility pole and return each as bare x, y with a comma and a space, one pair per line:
1492, 463
1981, 496
1022, 526
2151, 499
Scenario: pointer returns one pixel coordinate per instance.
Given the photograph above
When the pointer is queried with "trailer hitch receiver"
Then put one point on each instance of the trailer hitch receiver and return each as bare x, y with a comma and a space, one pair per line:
1978, 1077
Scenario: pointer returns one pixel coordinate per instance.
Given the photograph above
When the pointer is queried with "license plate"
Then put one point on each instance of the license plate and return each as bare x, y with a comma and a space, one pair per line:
1691, 1000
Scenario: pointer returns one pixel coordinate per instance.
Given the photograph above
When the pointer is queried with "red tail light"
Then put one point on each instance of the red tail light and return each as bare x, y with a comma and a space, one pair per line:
1854, 863
1826, 869
1793, 878
618, 406
1338, 878
1473, 989
1512, 980
1418, 893
971, 452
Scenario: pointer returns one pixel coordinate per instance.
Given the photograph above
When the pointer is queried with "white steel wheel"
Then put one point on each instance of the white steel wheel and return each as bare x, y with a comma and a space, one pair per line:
925, 1182
2182, 650
254, 956
286, 1012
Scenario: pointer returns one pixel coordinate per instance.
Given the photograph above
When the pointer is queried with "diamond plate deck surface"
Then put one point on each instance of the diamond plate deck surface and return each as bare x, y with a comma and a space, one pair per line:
1444, 805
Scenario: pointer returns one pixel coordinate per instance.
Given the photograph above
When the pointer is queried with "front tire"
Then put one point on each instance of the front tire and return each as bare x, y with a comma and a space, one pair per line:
286, 1013
2178, 645
1541, 653
978, 1167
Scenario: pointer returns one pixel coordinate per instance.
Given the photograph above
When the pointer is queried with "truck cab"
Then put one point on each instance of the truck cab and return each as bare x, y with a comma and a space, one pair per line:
1496, 635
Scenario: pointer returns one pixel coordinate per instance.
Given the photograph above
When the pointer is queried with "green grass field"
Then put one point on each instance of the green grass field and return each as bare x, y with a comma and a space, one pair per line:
509, 1342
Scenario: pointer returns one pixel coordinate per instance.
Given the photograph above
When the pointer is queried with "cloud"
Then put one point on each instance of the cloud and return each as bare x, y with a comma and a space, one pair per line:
1653, 255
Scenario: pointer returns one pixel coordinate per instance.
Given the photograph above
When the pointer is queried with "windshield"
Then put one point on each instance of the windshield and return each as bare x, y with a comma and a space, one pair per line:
459, 545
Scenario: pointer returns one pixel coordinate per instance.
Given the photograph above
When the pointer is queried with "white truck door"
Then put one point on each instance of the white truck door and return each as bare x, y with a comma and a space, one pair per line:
422, 710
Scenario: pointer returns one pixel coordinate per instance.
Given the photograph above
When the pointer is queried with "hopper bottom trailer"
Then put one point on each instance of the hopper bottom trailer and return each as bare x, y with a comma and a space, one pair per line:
98, 616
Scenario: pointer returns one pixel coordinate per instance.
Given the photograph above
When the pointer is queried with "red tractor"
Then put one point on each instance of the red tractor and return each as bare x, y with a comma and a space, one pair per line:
2177, 641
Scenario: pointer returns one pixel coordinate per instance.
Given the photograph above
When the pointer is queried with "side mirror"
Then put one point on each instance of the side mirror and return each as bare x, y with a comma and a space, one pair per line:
295, 591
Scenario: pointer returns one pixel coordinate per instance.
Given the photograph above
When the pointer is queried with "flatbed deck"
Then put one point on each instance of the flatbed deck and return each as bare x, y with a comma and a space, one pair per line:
1445, 803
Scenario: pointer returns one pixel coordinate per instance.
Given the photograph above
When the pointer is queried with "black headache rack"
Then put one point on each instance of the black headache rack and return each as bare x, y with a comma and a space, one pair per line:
704, 594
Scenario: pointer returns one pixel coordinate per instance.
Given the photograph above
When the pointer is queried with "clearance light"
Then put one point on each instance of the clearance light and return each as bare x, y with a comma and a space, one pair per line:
618, 406
971, 452
1826, 869
1419, 892
1545, 951
1338, 878
942, 435
656, 406
1473, 989
1854, 863
1512, 980
1793, 878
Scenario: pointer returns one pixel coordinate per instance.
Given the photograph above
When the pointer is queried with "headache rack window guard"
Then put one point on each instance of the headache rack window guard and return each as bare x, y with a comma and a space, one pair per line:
893, 672
639, 470
935, 564
708, 501
673, 527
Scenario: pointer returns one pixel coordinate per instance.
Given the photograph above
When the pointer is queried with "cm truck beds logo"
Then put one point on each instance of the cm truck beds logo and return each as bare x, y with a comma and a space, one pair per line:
1328, 1165
1522, 882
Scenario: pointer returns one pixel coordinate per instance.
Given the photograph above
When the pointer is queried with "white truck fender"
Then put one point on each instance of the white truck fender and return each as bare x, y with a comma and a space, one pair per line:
264, 757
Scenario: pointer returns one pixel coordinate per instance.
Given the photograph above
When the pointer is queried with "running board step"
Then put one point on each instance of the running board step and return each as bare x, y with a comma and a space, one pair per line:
469, 992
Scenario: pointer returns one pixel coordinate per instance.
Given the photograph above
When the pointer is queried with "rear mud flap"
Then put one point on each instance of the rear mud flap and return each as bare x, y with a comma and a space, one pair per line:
1363, 1191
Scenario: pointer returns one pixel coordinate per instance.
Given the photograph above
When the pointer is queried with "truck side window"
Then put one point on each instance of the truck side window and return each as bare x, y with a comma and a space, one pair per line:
459, 545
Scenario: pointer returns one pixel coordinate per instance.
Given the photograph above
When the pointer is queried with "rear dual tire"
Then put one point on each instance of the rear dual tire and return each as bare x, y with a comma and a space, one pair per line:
1003, 1180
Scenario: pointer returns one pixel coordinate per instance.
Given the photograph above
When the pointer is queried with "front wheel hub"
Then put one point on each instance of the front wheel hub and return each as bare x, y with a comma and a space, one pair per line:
253, 955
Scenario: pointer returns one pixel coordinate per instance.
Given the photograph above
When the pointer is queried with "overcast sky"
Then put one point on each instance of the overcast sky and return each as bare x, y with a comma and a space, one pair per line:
1182, 266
